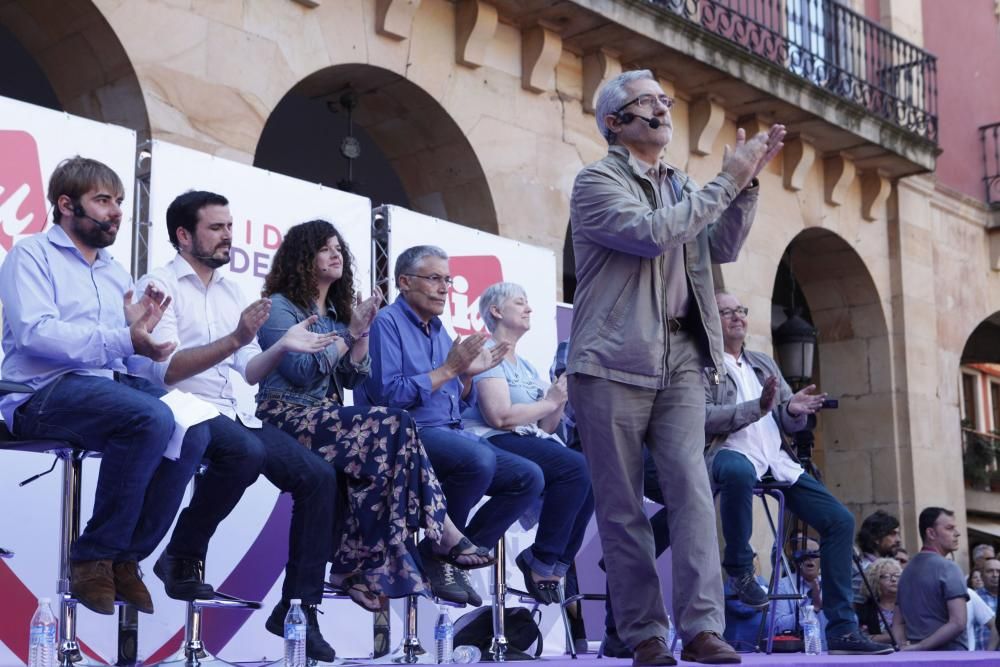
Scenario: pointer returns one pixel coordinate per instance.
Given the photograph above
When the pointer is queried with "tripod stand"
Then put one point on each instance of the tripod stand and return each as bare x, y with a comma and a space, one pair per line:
804, 442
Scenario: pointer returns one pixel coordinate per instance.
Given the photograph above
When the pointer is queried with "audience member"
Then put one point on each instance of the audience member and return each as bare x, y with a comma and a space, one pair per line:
989, 592
417, 367
982, 553
747, 417
391, 488
216, 333
517, 412
981, 628
902, 556
876, 612
878, 537
643, 328
975, 580
69, 326
806, 581
932, 594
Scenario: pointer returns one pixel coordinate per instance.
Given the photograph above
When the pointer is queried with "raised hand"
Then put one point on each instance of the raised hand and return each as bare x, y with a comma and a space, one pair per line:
251, 320
152, 296
142, 342
742, 161
299, 338
488, 358
775, 142
465, 351
364, 312
557, 391
806, 401
769, 395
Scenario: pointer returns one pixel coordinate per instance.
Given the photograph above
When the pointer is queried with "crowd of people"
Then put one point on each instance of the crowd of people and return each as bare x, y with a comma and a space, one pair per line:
660, 397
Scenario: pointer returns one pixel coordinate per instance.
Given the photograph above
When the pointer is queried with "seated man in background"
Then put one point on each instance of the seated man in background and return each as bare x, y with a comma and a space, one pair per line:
217, 335
932, 594
806, 581
746, 415
69, 324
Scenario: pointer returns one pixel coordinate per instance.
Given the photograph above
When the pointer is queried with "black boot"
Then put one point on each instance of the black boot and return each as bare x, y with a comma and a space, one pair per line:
317, 648
183, 578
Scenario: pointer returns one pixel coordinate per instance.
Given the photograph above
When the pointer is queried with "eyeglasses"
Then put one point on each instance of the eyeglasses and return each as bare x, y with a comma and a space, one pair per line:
648, 100
434, 278
726, 313
889, 577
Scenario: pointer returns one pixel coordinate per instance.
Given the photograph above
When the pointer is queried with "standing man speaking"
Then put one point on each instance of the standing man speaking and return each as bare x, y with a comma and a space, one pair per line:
645, 324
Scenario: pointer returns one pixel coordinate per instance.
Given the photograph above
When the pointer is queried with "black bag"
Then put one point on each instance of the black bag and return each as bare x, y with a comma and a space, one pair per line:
520, 628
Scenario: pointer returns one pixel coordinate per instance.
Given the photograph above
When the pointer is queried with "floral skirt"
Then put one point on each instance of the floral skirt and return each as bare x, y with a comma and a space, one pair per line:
391, 488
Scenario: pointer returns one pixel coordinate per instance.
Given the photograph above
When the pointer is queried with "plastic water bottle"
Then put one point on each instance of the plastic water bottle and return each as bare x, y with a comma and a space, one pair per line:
295, 635
444, 635
42, 637
810, 629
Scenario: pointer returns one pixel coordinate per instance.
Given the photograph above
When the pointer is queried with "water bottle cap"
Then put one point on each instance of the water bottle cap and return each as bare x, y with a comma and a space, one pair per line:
297, 601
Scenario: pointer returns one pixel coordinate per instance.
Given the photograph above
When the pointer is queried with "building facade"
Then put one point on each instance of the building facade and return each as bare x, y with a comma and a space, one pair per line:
481, 112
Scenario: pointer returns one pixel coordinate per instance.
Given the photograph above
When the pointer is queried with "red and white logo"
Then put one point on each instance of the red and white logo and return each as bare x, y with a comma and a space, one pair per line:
472, 275
22, 192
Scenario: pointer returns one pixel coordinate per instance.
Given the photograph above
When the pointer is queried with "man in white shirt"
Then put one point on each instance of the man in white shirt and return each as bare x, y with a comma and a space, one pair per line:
216, 333
745, 415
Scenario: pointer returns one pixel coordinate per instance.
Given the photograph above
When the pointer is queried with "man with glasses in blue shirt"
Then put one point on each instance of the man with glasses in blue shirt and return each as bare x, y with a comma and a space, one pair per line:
417, 367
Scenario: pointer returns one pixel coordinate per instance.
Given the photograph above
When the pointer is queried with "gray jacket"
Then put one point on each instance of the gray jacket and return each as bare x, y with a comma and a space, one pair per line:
621, 230
723, 415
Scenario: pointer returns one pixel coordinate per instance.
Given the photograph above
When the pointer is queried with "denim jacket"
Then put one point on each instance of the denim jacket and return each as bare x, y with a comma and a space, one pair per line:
307, 379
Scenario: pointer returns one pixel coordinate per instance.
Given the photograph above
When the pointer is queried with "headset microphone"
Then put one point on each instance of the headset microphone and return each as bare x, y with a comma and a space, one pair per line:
80, 213
628, 117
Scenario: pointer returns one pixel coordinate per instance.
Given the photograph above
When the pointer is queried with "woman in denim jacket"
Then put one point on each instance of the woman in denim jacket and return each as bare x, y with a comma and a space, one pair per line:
391, 489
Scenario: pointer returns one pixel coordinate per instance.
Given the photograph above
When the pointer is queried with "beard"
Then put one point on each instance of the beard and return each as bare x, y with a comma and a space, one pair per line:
94, 236
209, 257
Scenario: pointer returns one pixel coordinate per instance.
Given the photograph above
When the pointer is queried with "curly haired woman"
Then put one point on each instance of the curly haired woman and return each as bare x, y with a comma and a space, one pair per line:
391, 489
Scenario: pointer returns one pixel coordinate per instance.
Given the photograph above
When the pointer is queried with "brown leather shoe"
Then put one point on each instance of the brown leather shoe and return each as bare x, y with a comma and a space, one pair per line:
92, 584
129, 586
710, 649
652, 651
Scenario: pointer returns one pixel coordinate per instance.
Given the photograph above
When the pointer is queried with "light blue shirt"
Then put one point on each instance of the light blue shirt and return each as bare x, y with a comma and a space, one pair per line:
60, 314
523, 381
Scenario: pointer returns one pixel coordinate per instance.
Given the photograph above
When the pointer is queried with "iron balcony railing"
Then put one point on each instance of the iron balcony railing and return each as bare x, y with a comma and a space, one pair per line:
989, 136
831, 47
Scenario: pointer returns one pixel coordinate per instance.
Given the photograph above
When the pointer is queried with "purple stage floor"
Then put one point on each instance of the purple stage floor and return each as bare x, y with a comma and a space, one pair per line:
922, 659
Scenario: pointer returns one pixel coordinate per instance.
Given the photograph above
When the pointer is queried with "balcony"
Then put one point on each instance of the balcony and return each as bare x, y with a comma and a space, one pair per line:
989, 136
980, 453
832, 76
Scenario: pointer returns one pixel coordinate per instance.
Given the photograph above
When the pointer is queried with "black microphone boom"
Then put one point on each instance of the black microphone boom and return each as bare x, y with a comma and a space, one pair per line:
80, 213
653, 123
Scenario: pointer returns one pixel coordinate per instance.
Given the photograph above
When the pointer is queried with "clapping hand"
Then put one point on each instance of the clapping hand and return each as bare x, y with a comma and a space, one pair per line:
769, 395
806, 401
251, 320
364, 312
153, 300
299, 338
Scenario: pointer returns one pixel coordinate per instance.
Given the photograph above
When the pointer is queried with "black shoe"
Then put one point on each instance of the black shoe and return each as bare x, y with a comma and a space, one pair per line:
462, 577
183, 578
614, 647
748, 590
444, 584
317, 648
855, 643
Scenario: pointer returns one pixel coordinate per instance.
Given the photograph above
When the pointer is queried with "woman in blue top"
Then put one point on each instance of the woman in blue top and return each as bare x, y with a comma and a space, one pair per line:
391, 489
518, 412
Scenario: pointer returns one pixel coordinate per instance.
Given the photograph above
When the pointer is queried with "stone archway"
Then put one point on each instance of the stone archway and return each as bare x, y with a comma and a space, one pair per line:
402, 129
80, 56
856, 444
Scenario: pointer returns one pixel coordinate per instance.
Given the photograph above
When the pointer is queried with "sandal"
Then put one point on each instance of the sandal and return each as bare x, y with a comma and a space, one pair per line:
356, 588
545, 592
456, 552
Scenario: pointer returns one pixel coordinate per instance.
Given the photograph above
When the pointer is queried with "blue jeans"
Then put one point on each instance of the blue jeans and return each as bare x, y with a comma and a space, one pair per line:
236, 456
567, 501
734, 476
470, 467
138, 491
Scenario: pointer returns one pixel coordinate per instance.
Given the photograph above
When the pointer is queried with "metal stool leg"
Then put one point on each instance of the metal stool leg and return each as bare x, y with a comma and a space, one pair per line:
561, 591
69, 649
779, 564
409, 651
498, 647
193, 652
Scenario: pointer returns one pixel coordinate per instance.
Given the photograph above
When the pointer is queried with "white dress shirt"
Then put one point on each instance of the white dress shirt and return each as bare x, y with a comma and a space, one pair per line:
760, 441
199, 315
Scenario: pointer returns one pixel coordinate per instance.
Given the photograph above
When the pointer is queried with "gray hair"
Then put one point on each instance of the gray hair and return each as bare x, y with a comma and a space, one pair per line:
409, 258
496, 295
980, 550
613, 96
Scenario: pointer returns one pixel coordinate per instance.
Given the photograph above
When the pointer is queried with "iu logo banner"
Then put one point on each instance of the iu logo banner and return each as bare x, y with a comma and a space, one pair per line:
472, 275
22, 192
